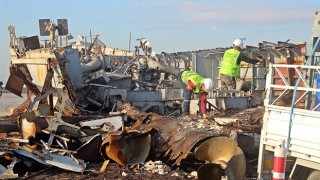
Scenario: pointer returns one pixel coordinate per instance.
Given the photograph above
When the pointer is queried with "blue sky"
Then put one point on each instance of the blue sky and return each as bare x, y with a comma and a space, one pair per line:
170, 25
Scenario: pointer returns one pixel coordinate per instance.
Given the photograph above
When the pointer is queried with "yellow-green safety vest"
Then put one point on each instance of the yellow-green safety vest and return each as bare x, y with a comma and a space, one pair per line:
194, 77
229, 64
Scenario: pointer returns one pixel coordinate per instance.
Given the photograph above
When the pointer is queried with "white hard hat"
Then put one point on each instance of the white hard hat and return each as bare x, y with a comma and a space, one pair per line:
238, 42
208, 84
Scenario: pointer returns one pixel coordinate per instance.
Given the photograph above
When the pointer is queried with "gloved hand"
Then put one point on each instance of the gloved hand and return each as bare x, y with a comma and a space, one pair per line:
206, 119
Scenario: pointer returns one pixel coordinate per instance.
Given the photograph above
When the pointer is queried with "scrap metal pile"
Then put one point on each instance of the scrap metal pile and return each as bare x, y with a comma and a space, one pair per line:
76, 109
128, 137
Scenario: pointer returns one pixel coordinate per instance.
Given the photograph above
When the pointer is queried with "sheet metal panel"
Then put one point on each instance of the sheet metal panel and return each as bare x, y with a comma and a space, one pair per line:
206, 66
144, 96
38, 73
31, 43
72, 63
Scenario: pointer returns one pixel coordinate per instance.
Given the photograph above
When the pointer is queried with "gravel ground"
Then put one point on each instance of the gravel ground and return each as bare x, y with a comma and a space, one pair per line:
113, 171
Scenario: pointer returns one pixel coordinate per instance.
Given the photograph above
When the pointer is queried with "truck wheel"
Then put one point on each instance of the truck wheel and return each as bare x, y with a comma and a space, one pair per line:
315, 175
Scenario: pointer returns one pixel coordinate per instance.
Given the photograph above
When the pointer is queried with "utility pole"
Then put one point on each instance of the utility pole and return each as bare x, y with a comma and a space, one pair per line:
129, 41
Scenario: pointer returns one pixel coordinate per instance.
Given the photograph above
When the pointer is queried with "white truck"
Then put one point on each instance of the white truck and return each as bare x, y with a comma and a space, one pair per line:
298, 126
297, 123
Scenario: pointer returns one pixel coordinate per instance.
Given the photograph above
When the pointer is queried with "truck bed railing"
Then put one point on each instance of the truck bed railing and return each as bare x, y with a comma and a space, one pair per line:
283, 86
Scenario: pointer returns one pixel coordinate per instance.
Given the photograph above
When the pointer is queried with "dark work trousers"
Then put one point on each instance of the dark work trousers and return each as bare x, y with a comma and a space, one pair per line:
227, 82
200, 109
187, 96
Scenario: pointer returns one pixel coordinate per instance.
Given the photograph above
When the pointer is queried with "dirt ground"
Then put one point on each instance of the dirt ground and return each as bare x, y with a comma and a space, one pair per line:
113, 171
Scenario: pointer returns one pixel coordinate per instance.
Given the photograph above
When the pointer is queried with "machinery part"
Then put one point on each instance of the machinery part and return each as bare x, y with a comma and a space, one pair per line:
28, 128
44, 109
152, 64
217, 150
222, 151
55, 121
89, 151
209, 171
7, 127
129, 148
236, 166
177, 147
28, 125
39, 98
94, 65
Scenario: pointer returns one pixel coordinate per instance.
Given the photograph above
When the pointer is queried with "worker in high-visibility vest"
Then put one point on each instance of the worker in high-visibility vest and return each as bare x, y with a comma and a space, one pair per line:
230, 65
192, 82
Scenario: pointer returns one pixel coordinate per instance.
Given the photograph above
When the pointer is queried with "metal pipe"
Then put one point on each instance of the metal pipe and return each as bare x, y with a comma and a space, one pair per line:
60, 38
129, 41
91, 66
85, 46
156, 65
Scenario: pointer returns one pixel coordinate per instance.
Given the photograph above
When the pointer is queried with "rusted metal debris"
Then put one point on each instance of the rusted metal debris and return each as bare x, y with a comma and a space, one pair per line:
171, 133
170, 141
163, 137
73, 92
95, 78
128, 147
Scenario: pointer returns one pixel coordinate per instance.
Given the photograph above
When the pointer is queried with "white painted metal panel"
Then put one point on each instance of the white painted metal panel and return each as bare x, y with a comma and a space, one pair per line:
305, 130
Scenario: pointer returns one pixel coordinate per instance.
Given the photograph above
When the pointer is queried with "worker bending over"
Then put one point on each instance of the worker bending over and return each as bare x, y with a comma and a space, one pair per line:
192, 82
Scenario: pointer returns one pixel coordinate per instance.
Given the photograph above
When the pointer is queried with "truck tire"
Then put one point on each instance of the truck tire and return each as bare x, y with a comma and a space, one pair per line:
315, 175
